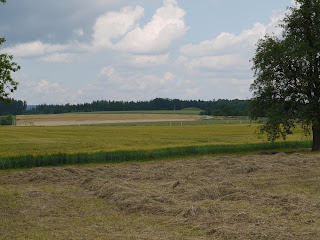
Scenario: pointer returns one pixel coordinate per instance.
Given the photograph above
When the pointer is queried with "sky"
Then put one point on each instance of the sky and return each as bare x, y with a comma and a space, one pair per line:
78, 51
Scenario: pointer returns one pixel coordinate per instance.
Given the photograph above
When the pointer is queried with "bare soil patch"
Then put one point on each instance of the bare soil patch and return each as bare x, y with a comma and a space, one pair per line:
235, 197
87, 119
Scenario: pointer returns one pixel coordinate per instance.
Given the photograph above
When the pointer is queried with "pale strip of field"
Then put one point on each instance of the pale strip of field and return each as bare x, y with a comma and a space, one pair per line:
87, 119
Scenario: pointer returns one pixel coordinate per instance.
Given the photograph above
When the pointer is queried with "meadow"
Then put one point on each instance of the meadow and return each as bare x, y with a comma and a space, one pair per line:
214, 179
18, 141
32, 146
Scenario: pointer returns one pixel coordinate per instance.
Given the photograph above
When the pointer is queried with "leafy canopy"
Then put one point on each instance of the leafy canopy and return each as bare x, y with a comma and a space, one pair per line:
286, 88
7, 84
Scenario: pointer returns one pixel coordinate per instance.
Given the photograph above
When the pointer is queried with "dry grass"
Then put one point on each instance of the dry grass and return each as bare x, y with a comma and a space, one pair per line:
237, 197
86, 119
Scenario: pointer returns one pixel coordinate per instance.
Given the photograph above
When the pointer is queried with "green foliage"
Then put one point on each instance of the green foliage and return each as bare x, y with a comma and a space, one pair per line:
142, 155
221, 107
6, 120
14, 107
224, 107
287, 74
7, 84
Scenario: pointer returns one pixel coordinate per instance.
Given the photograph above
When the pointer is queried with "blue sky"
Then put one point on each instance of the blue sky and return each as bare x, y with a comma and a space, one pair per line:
78, 51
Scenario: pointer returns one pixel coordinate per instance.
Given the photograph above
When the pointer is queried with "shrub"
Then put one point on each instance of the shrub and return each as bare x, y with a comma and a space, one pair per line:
6, 120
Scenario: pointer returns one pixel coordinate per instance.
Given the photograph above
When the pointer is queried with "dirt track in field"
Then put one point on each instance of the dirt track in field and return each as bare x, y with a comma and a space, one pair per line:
91, 119
233, 197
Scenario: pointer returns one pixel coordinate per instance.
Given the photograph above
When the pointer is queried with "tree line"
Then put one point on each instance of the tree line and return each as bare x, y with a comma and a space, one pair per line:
14, 107
221, 107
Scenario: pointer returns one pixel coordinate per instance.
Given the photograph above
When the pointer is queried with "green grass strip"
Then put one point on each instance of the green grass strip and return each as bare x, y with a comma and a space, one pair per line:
143, 155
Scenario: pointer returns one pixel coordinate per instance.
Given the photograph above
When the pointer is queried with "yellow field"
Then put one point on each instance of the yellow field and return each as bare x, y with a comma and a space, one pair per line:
16, 141
93, 118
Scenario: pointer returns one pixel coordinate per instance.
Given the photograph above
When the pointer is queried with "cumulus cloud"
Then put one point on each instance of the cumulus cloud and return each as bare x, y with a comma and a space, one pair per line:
128, 60
110, 74
47, 52
35, 48
228, 51
225, 60
113, 25
229, 43
120, 30
41, 91
166, 25
145, 61
44, 86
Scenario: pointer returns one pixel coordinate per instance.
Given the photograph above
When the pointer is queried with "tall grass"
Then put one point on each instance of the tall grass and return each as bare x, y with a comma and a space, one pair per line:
143, 155
21, 141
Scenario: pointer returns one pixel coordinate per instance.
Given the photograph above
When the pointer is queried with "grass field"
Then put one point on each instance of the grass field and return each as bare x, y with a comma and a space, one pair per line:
262, 196
229, 197
17, 141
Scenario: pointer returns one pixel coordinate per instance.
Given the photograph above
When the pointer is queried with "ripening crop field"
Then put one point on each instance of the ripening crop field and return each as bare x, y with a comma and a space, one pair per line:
21, 141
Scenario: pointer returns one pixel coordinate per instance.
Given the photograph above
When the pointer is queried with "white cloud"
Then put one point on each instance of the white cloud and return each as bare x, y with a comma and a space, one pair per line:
166, 25
46, 87
227, 52
42, 91
36, 48
145, 61
120, 30
109, 74
229, 43
113, 25
138, 58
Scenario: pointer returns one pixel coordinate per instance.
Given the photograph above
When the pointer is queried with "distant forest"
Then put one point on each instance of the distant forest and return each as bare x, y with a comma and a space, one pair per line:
221, 107
15, 107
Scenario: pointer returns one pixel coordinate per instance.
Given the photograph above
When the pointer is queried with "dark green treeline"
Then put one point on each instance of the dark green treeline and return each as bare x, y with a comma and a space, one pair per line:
14, 107
219, 107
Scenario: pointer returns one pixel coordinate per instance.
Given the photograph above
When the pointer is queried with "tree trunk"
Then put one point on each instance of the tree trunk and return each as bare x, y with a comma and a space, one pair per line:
316, 137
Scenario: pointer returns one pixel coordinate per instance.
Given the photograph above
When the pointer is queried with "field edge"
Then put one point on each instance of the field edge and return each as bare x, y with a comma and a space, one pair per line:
62, 159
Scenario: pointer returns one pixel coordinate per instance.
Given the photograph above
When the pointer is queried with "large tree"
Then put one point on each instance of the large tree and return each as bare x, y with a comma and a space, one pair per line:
286, 88
7, 83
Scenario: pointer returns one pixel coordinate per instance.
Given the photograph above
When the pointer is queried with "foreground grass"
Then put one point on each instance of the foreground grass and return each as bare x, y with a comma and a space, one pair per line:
35, 141
229, 197
49, 211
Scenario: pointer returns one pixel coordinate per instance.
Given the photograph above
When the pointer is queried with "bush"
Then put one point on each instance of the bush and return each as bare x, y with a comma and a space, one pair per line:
6, 120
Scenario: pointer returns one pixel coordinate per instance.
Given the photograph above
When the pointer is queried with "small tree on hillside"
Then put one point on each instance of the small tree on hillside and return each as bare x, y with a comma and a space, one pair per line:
287, 75
7, 84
